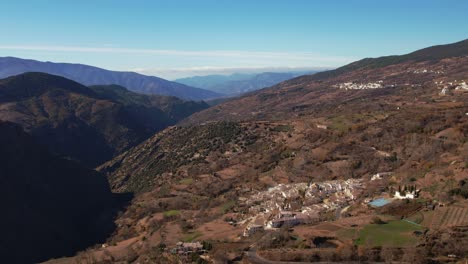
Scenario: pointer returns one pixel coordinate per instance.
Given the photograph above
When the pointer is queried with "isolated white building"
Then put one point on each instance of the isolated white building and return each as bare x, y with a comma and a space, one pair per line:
408, 195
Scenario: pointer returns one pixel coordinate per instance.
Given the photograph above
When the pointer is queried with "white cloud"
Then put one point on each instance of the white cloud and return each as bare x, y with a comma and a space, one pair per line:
172, 64
301, 56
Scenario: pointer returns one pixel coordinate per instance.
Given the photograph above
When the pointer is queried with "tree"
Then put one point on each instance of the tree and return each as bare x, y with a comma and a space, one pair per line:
207, 245
377, 220
162, 246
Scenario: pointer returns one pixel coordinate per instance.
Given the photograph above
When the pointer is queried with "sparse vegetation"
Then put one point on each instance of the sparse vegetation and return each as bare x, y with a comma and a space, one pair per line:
171, 213
283, 128
226, 207
187, 181
461, 190
191, 236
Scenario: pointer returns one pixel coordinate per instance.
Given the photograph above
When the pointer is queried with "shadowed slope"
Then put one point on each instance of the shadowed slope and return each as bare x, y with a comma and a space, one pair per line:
53, 207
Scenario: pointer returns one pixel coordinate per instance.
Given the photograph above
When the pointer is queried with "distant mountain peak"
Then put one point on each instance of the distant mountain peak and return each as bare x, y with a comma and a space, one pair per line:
239, 83
90, 75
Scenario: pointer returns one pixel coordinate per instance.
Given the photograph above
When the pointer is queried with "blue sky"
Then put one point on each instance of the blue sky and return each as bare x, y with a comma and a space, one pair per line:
176, 38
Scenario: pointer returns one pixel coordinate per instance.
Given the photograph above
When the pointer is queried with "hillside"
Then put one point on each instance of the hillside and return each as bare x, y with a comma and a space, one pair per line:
89, 75
322, 149
414, 74
53, 207
174, 108
431, 54
90, 125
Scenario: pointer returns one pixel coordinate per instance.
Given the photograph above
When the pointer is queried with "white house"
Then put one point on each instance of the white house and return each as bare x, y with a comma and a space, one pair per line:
380, 175
462, 86
408, 195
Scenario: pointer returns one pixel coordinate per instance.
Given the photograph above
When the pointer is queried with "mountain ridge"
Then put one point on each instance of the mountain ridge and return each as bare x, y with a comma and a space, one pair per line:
237, 84
432, 53
297, 94
85, 124
90, 75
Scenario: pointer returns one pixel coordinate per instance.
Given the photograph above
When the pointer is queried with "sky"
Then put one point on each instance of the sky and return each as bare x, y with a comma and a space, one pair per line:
180, 38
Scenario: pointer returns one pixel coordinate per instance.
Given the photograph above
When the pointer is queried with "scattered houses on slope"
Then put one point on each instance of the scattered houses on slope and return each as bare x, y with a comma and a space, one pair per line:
363, 86
186, 248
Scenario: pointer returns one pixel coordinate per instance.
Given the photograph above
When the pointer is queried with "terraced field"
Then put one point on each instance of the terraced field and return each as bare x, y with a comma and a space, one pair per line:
456, 215
397, 233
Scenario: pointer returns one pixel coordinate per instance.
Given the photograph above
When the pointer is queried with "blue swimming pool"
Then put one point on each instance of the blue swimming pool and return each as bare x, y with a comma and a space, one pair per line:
380, 202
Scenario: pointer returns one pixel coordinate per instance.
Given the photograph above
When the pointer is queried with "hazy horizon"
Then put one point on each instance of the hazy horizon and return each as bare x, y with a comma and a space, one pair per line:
207, 37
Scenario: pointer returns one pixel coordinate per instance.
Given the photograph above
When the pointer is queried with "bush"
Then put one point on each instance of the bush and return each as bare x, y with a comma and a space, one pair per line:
171, 213
393, 157
462, 190
207, 245
378, 221
227, 206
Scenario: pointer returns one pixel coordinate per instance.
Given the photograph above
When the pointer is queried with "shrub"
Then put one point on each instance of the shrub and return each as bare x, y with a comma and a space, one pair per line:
227, 206
171, 213
378, 221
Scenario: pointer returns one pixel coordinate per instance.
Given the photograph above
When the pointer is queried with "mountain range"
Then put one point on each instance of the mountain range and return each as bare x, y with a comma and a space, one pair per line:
236, 84
89, 75
213, 80
87, 124
309, 153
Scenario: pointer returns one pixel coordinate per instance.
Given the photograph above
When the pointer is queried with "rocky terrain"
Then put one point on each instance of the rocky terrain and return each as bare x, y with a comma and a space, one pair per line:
303, 147
90, 125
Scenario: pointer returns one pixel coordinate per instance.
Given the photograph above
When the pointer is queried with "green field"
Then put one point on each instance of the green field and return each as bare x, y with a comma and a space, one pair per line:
395, 234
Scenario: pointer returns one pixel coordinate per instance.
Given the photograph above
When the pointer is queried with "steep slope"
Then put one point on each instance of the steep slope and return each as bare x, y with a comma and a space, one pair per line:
89, 75
85, 124
204, 174
432, 54
421, 74
53, 207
